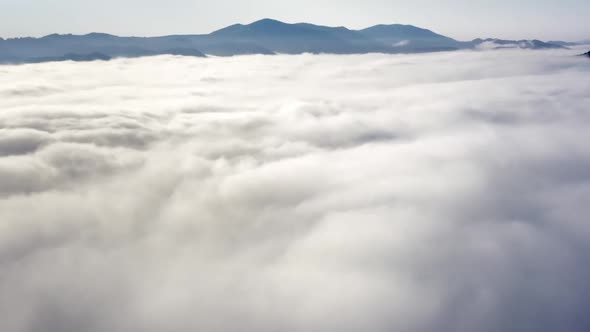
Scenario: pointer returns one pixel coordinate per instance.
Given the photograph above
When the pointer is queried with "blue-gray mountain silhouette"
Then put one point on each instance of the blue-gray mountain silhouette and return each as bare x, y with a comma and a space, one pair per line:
563, 43
299, 38
261, 37
73, 57
408, 38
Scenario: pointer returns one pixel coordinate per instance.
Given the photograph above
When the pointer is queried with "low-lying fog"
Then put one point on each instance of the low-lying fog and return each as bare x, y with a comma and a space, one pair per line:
437, 192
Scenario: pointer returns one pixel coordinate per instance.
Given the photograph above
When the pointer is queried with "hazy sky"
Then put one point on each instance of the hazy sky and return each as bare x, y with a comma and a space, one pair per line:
461, 19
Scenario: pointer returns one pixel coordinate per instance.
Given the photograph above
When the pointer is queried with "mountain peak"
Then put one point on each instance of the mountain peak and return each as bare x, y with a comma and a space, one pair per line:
397, 26
263, 24
57, 36
266, 21
269, 28
99, 35
400, 31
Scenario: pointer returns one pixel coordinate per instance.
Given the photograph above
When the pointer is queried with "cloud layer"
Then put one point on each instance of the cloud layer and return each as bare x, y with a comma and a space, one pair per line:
439, 192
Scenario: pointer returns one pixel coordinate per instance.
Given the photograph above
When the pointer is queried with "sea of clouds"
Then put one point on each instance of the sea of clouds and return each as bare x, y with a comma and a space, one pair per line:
436, 192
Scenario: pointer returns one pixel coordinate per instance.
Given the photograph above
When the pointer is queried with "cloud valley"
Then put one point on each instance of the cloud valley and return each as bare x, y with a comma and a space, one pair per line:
432, 192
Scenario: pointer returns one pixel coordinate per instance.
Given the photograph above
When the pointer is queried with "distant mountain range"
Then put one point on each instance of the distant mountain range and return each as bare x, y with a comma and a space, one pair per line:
261, 37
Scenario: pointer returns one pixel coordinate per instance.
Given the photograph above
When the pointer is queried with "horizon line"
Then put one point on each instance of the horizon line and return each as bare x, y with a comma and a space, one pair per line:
268, 19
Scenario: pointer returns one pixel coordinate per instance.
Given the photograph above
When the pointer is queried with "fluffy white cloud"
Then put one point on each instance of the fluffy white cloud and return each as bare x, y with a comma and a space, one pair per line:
438, 192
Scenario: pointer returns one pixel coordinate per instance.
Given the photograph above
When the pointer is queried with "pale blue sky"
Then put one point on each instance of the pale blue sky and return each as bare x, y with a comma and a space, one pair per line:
460, 19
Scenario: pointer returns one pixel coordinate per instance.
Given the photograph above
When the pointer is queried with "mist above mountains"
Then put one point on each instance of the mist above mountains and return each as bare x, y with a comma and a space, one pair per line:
261, 37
